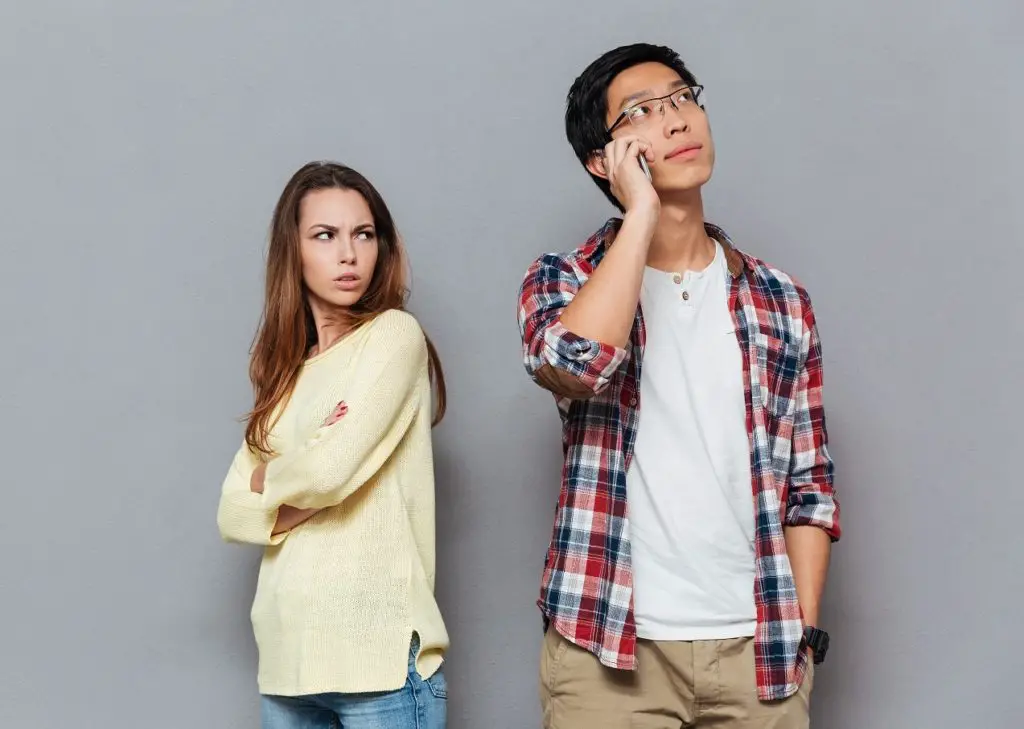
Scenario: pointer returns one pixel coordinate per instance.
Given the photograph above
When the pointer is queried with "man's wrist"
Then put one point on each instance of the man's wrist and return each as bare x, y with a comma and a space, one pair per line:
810, 623
816, 642
810, 615
640, 222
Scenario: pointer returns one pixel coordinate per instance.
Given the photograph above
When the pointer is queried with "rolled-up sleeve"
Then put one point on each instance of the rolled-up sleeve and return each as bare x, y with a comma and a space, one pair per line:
549, 348
812, 500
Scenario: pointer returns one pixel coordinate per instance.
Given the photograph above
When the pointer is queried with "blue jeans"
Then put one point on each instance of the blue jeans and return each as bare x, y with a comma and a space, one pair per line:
420, 704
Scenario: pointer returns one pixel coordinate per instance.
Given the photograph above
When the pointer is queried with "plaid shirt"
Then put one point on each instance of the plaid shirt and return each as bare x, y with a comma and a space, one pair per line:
587, 586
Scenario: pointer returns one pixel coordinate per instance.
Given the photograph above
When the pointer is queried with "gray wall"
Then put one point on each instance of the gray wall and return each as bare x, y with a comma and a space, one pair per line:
872, 150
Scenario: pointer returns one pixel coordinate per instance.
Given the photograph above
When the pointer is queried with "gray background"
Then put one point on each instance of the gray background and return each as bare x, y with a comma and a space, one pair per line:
874, 151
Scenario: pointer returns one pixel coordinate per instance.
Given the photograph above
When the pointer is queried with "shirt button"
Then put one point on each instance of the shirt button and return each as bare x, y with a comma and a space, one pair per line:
686, 296
632, 402
677, 279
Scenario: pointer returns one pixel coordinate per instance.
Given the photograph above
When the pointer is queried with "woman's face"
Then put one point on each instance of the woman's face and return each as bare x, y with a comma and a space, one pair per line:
338, 245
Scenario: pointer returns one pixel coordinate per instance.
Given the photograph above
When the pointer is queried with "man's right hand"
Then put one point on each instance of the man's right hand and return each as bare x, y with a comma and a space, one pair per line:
604, 308
627, 179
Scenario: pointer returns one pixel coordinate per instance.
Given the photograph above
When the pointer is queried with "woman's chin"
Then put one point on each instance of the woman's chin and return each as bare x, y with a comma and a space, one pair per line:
340, 299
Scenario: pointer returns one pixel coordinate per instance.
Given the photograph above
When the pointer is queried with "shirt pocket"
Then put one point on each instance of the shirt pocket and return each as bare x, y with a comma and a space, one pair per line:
778, 369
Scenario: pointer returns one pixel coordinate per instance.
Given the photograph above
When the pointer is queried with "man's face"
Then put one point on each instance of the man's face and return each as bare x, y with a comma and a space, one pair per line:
675, 126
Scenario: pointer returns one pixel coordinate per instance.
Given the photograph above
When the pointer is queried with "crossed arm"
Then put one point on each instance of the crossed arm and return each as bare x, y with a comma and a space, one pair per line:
262, 501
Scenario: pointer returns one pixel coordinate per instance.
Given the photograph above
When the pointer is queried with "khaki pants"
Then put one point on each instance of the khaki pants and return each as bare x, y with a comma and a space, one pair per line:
677, 684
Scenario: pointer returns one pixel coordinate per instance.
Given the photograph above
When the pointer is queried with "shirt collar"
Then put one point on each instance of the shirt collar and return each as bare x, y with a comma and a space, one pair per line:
735, 260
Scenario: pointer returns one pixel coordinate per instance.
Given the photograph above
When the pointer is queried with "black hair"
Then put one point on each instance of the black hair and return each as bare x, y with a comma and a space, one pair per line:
587, 102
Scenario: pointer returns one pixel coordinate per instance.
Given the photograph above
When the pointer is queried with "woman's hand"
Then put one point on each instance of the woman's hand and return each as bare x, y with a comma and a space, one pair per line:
289, 517
256, 480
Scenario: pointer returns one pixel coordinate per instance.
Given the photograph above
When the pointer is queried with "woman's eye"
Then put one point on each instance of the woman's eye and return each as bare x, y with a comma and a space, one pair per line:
324, 235
365, 235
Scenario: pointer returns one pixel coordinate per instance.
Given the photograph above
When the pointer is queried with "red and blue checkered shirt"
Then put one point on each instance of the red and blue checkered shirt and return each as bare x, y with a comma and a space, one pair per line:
587, 586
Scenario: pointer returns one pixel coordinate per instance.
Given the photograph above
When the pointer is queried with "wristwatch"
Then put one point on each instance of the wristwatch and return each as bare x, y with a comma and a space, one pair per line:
817, 641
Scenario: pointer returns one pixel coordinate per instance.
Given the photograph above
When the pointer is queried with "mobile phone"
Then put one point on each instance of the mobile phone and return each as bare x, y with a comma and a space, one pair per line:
643, 165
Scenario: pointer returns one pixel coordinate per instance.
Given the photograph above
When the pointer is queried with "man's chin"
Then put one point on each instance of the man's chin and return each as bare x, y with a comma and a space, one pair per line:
681, 189
685, 180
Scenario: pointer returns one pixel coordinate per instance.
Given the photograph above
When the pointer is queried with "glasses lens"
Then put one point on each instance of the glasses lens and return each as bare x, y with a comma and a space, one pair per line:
685, 96
644, 112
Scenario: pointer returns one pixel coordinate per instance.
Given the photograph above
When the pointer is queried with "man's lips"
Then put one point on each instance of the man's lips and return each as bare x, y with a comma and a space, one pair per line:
685, 151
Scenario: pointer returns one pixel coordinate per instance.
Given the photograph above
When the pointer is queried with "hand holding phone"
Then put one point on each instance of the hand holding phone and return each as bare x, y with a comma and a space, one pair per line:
631, 187
644, 167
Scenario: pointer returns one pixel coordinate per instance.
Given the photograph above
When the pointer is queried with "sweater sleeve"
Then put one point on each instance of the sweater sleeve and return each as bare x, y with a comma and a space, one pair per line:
243, 516
383, 399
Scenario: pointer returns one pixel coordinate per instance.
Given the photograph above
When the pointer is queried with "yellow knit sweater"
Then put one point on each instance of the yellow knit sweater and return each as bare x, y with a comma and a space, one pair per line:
340, 595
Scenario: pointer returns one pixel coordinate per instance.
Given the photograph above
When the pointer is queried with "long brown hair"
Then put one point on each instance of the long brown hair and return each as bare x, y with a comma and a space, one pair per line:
287, 330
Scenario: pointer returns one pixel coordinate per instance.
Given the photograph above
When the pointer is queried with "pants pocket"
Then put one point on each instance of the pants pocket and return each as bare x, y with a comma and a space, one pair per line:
438, 684
553, 649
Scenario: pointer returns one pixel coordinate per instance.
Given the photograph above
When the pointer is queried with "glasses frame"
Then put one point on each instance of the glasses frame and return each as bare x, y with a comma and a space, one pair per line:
696, 90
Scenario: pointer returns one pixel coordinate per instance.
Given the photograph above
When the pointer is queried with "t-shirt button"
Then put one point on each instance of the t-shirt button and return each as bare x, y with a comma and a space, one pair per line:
677, 279
632, 402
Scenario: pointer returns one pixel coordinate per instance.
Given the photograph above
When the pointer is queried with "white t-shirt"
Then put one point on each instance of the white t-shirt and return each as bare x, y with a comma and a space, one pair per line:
690, 498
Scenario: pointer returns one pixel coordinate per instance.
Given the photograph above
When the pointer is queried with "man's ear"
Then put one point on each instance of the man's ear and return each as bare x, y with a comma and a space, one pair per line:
595, 164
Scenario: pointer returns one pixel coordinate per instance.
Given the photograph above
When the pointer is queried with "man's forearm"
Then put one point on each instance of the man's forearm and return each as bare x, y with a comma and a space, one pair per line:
809, 549
605, 307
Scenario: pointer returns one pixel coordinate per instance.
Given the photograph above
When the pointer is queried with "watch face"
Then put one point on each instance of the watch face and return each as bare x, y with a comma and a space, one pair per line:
817, 641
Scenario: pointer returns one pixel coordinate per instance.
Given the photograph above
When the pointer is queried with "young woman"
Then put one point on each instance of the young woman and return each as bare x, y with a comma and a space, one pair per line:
335, 477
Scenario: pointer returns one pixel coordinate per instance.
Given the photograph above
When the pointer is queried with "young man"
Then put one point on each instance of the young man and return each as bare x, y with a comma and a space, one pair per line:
692, 536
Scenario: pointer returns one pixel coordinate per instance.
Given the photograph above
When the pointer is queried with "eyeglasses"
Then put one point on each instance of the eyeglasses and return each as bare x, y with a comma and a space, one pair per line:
643, 112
